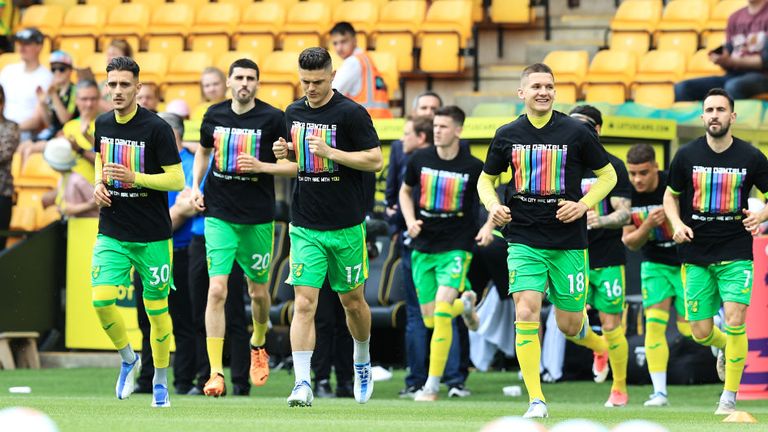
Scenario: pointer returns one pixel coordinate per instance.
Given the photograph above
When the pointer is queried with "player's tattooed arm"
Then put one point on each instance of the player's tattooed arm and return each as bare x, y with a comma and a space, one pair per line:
615, 220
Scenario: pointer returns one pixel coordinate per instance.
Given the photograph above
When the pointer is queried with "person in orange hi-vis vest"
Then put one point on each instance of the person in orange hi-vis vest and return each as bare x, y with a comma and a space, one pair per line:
357, 78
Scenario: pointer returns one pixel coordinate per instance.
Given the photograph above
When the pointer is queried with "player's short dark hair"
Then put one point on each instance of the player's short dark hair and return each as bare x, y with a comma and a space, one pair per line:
315, 58
592, 115
455, 113
426, 93
423, 124
124, 64
342, 28
717, 91
536, 68
641, 153
245, 64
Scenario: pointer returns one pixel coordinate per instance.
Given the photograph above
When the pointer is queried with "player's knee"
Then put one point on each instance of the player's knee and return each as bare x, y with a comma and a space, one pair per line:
303, 306
259, 294
355, 307
217, 292
523, 313
700, 332
570, 327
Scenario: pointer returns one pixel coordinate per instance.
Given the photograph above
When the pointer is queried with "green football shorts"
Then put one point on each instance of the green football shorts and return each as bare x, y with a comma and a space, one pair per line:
113, 259
433, 270
249, 244
707, 287
607, 289
660, 282
341, 254
561, 273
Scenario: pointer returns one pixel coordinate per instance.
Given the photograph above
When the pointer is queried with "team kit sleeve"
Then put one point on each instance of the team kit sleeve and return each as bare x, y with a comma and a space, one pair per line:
360, 128
761, 172
166, 150
206, 131
676, 177
495, 162
411, 172
623, 188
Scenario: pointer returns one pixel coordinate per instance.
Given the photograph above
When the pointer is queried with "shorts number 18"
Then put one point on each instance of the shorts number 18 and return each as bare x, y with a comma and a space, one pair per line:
576, 282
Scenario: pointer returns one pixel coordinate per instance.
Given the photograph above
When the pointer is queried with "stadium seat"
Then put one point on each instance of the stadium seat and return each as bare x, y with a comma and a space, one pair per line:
656, 74
398, 20
680, 25
46, 18
363, 16
570, 68
386, 63
636, 15
168, 27
213, 28
64, 4
80, 30
127, 21
512, 12
279, 78
259, 26
495, 109
183, 78
332, 4
97, 63
24, 218
305, 25
285, 4
154, 66
7, 58
444, 35
46, 217
241, 4
194, 4
36, 173
699, 66
718, 19
636, 42
151, 4
225, 59
106, 4
609, 76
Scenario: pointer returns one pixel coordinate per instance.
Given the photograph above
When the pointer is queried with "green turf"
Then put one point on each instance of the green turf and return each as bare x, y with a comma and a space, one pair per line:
83, 400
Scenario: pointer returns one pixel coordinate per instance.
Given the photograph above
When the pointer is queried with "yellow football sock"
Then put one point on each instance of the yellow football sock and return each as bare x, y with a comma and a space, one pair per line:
618, 356
441, 339
457, 308
736, 348
656, 347
684, 328
259, 336
103, 299
715, 339
587, 338
160, 331
529, 357
215, 346
429, 322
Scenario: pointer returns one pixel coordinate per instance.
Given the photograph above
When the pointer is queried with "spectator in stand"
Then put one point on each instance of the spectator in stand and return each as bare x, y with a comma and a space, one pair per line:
149, 96
9, 141
79, 130
116, 48
744, 57
74, 195
178, 107
21, 81
212, 88
357, 78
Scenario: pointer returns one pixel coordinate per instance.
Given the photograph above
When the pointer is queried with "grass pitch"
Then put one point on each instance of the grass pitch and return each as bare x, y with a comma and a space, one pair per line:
83, 400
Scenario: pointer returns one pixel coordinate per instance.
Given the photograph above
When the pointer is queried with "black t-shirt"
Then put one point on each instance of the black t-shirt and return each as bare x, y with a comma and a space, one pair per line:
714, 188
547, 167
328, 195
446, 199
232, 195
144, 144
660, 247
605, 246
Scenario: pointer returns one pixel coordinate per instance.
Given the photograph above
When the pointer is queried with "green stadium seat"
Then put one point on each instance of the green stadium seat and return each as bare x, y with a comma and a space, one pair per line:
632, 109
750, 112
496, 109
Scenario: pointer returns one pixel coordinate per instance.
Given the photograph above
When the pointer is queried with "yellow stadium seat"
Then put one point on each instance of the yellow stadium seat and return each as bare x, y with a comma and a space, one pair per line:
224, 60
444, 33
36, 173
194, 4
569, 68
154, 66
213, 28
637, 15
680, 25
386, 63
636, 42
686, 43
80, 30
97, 62
46, 18
127, 21
106, 4
609, 76
47, 216
182, 80
64, 4
699, 66
656, 74
286, 4
24, 218
259, 26
151, 4
512, 12
241, 4
398, 22
363, 16
332, 4
9, 58
279, 78
168, 27
305, 25
16, 165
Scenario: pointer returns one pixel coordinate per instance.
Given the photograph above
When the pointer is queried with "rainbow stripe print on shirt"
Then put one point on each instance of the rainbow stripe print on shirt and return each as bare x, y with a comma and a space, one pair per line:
603, 207
717, 190
230, 142
539, 168
308, 162
661, 233
442, 191
127, 153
